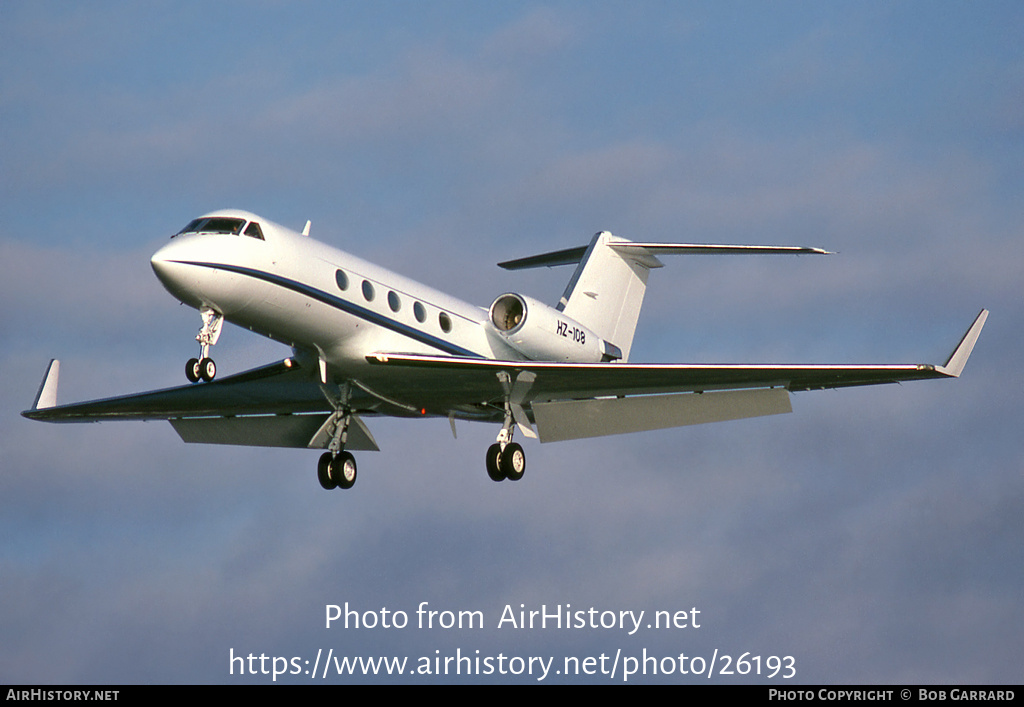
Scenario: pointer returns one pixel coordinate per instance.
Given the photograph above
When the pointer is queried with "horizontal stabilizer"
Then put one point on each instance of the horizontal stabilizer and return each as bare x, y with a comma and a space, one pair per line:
572, 256
577, 419
715, 249
569, 256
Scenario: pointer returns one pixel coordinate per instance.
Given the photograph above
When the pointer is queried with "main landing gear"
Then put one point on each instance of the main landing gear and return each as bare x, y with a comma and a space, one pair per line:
336, 470
508, 463
203, 368
505, 458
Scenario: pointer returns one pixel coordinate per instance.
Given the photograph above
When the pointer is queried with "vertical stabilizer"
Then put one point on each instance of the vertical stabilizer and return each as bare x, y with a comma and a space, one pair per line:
607, 290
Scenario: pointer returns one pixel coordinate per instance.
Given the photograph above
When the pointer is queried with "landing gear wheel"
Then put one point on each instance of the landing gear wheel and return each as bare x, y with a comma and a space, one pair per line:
494, 463
343, 470
192, 370
207, 369
513, 462
323, 472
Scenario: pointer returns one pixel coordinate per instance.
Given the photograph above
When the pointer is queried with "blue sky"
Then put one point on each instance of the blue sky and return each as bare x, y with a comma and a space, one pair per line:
874, 535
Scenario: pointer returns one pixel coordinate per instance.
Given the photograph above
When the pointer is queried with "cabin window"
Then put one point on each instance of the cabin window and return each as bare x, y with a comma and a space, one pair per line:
420, 312
394, 302
445, 321
367, 291
342, 279
254, 230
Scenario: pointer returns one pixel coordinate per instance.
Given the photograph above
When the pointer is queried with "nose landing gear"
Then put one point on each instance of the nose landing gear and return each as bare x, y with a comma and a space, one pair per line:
200, 369
203, 368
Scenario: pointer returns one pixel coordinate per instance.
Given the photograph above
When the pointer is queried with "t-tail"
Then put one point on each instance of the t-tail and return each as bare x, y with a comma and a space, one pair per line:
606, 291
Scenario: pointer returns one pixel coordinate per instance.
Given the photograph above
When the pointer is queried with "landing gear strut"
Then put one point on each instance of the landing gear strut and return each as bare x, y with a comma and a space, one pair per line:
203, 368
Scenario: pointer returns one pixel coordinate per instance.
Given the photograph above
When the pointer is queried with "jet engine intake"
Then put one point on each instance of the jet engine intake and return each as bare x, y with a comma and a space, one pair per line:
542, 333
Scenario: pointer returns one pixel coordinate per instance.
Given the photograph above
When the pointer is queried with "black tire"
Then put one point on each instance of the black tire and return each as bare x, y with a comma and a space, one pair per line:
513, 462
494, 463
343, 470
323, 472
192, 370
207, 369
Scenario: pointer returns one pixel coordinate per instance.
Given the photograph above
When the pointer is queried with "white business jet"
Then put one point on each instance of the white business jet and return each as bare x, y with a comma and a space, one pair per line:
367, 342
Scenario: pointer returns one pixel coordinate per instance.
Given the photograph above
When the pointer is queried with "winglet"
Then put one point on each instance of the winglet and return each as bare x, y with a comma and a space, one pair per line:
305, 230
46, 397
958, 359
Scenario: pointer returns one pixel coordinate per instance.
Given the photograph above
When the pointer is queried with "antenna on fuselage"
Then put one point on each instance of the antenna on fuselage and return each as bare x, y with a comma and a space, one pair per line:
305, 229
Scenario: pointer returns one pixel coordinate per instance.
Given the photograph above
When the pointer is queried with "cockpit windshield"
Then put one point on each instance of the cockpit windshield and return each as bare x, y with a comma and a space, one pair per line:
214, 225
222, 224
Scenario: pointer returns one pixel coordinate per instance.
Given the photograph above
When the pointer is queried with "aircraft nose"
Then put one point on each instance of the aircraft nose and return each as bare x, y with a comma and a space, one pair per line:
158, 260
170, 265
162, 263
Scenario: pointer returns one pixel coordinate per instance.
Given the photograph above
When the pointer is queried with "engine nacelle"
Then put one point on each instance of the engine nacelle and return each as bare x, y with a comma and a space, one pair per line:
544, 334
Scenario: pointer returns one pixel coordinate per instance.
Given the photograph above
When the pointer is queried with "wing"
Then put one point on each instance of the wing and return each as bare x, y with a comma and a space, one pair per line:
278, 405
283, 405
278, 388
574, 400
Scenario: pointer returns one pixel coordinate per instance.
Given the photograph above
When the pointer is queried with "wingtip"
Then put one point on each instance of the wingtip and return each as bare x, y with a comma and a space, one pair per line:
46, 396
958, 359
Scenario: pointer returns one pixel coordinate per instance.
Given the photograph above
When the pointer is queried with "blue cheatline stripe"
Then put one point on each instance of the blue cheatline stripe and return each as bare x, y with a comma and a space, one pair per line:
344, 305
